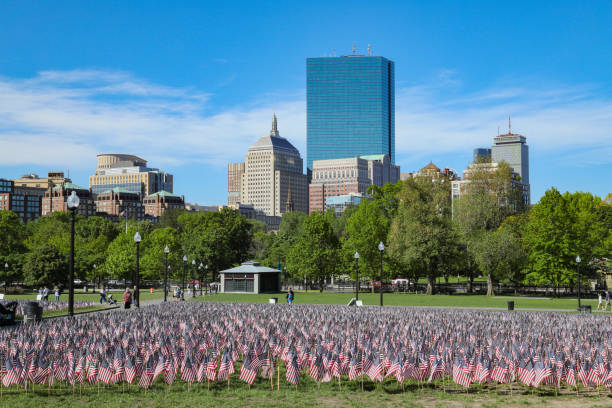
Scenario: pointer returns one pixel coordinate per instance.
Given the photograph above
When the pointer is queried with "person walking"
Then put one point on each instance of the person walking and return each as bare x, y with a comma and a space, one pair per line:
600, 300
45, 293
103, 295
608, 300
127, 298
290, 296
56, 292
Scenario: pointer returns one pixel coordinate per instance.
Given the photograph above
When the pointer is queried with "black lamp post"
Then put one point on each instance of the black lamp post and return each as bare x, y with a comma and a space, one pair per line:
137, 240
166, 252
578, 271
193, 263
6, 273
96, 276
356, 275
200, 266
73, 204
206, 273
381, 248
184, 272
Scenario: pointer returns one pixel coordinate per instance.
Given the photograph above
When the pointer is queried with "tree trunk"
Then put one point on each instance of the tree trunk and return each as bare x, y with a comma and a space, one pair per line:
490, 291
430, 283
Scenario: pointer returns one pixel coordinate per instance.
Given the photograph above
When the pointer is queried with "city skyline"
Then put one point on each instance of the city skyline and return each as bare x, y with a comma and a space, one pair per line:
191, 97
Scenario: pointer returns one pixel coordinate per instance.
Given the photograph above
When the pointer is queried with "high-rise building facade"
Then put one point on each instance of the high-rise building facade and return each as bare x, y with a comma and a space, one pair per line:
350, 107
23, 201
235, 173
512, 149
273, 176
129, 173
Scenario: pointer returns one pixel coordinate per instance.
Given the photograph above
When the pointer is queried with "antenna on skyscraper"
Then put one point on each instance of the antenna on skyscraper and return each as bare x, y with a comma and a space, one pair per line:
369, 50
509, 126
354, 48
498, 131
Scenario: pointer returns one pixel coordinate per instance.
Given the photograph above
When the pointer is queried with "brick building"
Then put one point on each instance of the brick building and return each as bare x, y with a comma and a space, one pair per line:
120, 202
157, 203
55, 199
336, 177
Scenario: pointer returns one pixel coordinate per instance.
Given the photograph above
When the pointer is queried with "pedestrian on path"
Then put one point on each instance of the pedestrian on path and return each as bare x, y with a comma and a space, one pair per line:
608, 300
600, 300
290, 296
127, 298
56, 291
103, 295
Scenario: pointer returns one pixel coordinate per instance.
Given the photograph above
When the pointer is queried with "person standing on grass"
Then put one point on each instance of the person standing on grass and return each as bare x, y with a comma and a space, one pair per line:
608, 300
45, 293
290, 296
600, 300
103, 295
127, 298
56, 291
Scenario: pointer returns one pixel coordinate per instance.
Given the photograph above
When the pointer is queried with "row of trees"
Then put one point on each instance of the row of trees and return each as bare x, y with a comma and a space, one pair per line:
37, 253
488, 231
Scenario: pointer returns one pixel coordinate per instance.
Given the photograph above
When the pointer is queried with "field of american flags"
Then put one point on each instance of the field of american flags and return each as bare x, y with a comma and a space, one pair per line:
220, 346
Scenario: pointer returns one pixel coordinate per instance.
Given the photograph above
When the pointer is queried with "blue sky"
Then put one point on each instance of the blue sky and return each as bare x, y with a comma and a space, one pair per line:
189, 86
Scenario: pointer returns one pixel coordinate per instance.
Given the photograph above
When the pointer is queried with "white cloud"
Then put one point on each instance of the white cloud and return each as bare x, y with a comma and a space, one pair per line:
58, 117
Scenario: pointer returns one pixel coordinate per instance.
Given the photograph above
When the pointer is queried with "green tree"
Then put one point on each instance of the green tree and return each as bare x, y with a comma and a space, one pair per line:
152, 256
490, 197
422, 237
367, 226
45, 266
497, 253
315, 254
288, 234
217, 239
559, 228
12, 248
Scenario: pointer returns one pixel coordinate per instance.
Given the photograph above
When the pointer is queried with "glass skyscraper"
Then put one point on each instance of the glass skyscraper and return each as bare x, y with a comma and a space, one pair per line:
350, 107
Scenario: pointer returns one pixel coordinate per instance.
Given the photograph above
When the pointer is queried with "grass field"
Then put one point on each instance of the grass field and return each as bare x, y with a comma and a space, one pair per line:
401, 299
308, 394
89, 296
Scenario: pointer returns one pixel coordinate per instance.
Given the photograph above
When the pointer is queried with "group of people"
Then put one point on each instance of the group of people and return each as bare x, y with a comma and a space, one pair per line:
600, 299
43, 292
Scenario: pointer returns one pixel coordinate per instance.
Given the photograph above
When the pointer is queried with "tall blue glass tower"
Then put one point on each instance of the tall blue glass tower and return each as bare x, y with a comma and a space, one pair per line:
350, 107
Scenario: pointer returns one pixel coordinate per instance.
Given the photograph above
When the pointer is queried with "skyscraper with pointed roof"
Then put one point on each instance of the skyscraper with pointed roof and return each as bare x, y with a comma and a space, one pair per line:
272, 180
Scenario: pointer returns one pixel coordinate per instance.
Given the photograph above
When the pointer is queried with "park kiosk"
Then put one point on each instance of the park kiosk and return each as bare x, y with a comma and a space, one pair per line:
250, 277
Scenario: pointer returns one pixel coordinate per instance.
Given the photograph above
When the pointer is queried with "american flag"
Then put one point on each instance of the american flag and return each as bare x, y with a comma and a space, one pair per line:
247, 374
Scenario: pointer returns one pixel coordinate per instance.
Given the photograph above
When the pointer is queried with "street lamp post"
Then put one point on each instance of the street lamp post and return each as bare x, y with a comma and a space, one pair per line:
206, 274
73, 204
578, 271
6, 274
96, 276
184, 272
193, 263
137, 240
200, 267
356, 275
381, 248
166, 252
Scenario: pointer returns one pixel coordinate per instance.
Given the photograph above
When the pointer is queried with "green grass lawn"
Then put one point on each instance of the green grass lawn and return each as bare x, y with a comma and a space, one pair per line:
401, 299
89, 296
307, 394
